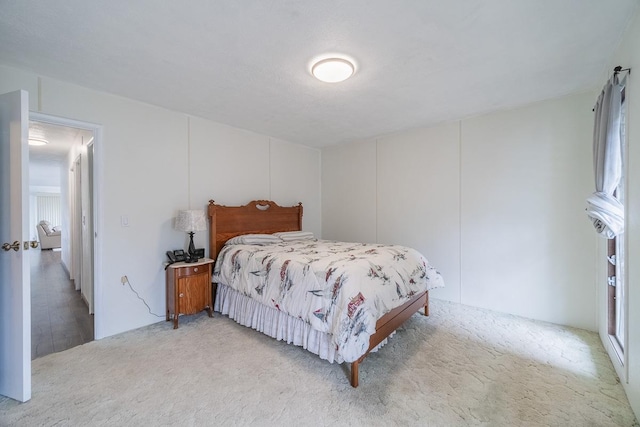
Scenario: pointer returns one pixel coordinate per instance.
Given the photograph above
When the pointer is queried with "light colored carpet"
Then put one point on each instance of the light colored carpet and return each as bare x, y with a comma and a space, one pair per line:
460, 366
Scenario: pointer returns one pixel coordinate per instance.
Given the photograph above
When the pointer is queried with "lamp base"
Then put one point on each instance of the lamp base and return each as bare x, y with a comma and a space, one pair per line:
193, 257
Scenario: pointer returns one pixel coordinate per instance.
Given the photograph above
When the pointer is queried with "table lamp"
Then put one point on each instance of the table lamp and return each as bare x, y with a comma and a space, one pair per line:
191, 221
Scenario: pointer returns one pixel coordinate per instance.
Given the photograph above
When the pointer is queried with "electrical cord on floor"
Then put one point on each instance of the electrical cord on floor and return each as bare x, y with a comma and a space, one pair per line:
126, 279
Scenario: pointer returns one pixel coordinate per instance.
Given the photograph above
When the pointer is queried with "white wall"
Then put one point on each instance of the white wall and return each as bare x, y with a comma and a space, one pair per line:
294, 178
349, 192
234, 166
628, 55
495, 202
419, 197
45, 174
154, 163
68, 212
527, 246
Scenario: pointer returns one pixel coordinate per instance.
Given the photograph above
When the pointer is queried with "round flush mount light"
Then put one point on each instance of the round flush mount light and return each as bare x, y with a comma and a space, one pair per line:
37, 141
332, 70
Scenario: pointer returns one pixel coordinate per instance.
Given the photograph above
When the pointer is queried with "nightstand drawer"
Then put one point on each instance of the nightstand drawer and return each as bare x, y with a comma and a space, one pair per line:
196, 269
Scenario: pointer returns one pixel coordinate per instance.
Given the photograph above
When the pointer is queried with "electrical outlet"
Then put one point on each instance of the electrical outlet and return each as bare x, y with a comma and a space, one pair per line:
123, 280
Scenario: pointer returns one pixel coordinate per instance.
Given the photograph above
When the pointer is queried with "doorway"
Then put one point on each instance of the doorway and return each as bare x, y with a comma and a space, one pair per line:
62, 279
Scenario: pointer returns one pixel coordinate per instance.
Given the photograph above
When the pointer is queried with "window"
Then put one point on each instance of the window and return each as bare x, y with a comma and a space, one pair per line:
616, 260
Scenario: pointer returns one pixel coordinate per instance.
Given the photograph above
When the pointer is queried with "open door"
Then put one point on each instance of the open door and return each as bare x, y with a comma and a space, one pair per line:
87, 230
15, 290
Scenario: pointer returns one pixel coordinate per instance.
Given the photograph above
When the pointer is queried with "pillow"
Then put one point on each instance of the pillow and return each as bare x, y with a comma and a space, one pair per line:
254, 239
289, 236
57, 228
45, 226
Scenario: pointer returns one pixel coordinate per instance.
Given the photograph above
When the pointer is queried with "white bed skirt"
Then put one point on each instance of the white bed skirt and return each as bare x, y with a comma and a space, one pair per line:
276, 324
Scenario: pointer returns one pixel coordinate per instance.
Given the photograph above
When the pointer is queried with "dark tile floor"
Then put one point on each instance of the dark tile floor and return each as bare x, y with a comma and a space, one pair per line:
60, 318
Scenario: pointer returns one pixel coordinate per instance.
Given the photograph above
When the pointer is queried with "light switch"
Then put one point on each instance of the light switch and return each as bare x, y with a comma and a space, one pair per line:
124, 220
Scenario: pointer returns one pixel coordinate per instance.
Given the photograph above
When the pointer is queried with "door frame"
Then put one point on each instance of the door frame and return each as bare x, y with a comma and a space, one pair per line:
98, 221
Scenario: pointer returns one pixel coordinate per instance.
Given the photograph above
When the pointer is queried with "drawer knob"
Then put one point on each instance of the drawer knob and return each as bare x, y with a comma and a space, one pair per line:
181, 295
195, 269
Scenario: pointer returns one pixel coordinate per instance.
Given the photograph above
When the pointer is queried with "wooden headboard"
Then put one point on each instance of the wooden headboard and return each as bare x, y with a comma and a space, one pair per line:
256, 217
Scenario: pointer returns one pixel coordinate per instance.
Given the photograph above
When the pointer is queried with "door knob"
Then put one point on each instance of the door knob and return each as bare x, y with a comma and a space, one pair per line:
15, 246
34, 244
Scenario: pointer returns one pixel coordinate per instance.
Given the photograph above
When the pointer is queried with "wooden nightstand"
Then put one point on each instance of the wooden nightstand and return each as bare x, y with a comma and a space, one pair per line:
189, 289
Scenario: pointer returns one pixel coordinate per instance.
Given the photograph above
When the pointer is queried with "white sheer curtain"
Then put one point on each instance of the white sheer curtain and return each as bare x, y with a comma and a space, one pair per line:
603, 208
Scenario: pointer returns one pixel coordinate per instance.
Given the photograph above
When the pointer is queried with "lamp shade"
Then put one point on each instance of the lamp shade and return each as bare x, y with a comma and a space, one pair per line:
191, 220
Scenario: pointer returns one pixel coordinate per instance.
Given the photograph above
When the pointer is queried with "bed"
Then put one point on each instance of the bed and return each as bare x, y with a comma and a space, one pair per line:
341, 312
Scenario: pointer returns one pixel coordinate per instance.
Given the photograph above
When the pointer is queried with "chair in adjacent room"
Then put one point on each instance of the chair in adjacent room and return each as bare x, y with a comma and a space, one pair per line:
49, 237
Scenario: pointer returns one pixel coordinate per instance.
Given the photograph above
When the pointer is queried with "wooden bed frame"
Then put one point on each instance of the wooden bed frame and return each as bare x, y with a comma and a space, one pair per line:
266, 217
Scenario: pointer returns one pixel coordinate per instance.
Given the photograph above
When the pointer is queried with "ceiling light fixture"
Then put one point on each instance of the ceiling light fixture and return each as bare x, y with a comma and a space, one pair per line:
38, 141
332, 70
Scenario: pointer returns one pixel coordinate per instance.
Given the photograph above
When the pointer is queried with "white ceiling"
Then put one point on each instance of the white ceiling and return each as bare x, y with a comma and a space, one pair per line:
61, 139
246, 63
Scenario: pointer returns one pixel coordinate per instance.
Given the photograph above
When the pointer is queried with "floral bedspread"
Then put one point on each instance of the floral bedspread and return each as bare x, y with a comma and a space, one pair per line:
339, 288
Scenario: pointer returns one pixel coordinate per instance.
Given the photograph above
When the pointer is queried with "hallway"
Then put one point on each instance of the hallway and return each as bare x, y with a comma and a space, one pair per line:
60, 318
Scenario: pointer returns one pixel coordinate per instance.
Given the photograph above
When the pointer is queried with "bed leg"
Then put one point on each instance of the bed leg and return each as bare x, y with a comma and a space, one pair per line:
426, 305
354, 374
